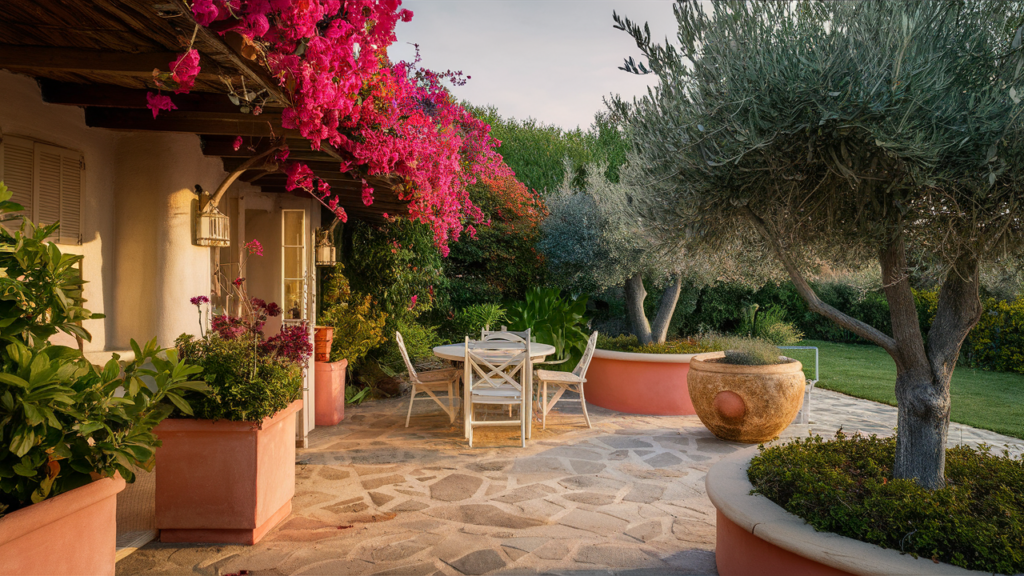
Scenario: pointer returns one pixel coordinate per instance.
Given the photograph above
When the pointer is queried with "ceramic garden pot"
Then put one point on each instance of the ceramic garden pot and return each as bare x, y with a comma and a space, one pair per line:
71, 533
741, 403
329, 390
223, 481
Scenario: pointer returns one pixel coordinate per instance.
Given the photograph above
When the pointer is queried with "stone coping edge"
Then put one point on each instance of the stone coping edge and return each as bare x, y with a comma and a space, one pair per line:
729, 490
642, 357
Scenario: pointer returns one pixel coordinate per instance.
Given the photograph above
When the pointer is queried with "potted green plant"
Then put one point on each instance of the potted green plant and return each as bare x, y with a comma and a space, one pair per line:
70, 433
749, 392
227, 471
358, 328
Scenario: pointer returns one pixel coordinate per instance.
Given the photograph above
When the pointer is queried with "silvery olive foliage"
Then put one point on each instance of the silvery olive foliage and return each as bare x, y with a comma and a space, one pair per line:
844, 132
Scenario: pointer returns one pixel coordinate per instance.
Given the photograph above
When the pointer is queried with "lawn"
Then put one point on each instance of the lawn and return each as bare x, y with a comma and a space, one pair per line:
990, 400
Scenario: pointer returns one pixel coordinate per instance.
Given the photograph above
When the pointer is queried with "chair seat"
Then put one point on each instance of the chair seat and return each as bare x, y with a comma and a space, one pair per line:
559, 377
435, 376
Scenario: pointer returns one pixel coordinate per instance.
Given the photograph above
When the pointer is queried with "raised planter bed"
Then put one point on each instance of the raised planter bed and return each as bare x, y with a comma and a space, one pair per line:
757, 536
637, 383
223, 481
71, 533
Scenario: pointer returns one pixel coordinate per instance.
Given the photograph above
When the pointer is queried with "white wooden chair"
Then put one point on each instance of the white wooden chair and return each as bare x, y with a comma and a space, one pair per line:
563, 381
497, 372
429, 383
503, 334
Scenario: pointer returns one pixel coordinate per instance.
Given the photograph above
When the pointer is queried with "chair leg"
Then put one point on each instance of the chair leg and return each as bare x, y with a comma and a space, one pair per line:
544, 406
412, 396
522, 420
583, 403
451, 406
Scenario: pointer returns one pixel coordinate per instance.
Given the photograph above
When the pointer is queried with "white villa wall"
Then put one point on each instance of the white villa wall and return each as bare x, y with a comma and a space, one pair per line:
23, 113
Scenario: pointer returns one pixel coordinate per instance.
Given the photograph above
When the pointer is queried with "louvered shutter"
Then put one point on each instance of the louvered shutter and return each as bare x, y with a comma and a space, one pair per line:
47, 181
16, 170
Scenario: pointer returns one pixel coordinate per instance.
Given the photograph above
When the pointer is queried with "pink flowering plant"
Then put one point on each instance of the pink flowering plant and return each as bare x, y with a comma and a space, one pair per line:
396, 119
250, 376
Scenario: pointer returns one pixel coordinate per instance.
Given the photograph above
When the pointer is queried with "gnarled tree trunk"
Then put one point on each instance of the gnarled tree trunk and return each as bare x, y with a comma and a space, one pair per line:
635, 296
923, 372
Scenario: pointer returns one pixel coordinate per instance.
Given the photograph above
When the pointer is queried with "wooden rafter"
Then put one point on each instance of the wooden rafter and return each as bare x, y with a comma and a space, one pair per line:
90, 61
187, 122
109, 96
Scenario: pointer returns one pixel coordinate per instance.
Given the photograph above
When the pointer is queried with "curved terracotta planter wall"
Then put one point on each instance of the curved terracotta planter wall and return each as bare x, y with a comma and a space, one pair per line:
640, 383
740, 403
71, 533
223, 481
756, 536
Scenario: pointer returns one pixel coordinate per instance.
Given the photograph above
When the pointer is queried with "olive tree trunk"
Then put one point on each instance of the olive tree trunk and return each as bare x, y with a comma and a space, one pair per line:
635, 296
923, 373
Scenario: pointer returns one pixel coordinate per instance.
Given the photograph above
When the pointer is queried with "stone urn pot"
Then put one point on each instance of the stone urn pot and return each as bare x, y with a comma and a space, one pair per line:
743, 403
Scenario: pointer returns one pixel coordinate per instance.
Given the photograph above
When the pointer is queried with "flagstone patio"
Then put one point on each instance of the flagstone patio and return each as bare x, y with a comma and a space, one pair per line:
626, 497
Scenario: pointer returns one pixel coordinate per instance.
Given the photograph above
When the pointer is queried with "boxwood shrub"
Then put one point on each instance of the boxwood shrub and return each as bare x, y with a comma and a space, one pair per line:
846, 487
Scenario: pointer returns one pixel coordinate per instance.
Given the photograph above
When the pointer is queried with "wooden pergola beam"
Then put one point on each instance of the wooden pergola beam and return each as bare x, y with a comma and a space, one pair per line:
51, 58
224, 146
186, 122
110, 96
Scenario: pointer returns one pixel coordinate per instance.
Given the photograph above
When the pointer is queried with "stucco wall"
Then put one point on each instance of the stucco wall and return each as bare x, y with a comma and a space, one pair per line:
23, 113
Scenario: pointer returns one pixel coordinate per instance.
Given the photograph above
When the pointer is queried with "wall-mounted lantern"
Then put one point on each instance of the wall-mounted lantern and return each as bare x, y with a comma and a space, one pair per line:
213, 227
326, 254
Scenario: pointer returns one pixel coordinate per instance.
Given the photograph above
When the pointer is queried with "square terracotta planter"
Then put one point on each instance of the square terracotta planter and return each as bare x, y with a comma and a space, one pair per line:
330, 392
71, 533
222, 481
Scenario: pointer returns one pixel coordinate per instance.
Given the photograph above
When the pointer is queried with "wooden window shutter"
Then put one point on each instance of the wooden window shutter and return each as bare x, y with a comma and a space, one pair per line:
58, 191
17, 160
47, 181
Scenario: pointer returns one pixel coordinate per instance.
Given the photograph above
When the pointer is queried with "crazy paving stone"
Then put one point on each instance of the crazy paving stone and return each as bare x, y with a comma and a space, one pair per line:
455, 487
526, 493
645, 493
409, 506
380, 499
479, 562
593, 522
664, 460
374, 483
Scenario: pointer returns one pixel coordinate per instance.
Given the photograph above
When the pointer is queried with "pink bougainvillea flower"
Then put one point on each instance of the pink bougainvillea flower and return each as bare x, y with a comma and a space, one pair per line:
412, 303
238, 143
184, 70
238, 281
158, 102
367, 194
254, 247
197, 300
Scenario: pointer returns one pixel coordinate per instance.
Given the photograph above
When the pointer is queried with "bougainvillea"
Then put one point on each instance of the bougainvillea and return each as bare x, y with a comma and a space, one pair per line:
389, 119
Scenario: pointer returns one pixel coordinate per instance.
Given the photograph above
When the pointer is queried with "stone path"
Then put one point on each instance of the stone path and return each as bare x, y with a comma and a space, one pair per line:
626, 497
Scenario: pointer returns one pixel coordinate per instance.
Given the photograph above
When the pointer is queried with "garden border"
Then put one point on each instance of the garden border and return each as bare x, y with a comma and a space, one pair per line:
754, 532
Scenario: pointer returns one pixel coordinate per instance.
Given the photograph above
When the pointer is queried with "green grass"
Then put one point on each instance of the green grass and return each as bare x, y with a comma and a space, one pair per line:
990, 400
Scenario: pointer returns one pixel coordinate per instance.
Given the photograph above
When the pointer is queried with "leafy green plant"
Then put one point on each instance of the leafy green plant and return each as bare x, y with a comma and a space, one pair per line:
472, 319
629, 343
357, 395
358, 327
553, 319
64, 421
976, 521
245, 384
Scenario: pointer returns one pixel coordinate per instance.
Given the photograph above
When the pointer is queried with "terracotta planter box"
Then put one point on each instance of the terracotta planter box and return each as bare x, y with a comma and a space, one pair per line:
329, 392
223, 481
637, 383
71, 533
757, 536
741, 403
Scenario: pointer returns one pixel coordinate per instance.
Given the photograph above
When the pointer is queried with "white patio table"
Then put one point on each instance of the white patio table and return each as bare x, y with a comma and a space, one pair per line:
457, 353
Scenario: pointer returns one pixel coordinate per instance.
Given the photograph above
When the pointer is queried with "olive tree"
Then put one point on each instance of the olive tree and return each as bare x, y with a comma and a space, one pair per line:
846, 131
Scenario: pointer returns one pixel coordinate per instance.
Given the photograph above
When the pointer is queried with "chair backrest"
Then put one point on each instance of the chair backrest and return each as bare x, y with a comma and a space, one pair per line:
494, 364
581, 368
505, 334
405, 356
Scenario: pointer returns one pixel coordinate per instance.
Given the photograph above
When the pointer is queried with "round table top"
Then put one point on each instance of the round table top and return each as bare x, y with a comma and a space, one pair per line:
457, 352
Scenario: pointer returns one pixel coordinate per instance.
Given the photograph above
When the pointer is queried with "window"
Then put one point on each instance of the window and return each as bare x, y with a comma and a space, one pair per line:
47, 181
293, 227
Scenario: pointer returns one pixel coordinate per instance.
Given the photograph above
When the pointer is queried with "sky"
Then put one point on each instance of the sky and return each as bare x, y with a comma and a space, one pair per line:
553, 60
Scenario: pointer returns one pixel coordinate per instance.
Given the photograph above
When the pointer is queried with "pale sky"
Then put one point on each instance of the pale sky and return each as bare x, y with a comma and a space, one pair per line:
552, 60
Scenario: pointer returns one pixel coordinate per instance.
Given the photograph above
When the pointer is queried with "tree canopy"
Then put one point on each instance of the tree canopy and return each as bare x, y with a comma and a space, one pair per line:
846, 131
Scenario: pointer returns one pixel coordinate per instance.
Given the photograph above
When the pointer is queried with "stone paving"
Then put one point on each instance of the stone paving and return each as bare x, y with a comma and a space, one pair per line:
626, 497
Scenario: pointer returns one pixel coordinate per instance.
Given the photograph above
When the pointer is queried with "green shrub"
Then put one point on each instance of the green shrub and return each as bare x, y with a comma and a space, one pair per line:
553, 319
469, 321
846, 486
746, 351
245, 383
358, 326
63, 420
629, 343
